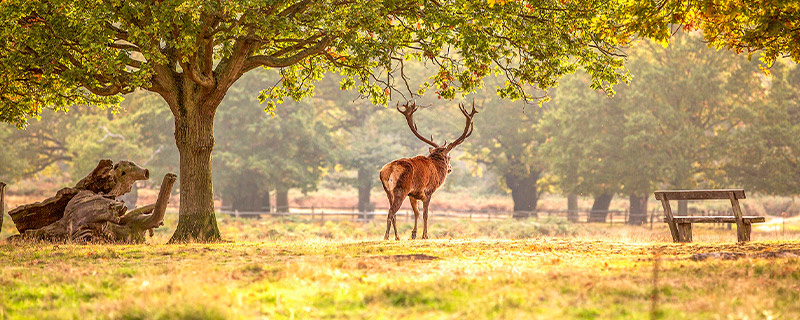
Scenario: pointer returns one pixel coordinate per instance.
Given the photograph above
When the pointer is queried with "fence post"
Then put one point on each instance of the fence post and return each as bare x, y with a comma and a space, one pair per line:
652, 217
312, 212
783, 214
611, 217
3, 203
322, 216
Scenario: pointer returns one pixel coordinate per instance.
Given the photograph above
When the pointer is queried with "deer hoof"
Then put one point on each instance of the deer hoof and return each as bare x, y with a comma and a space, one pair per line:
413, 235
424, 236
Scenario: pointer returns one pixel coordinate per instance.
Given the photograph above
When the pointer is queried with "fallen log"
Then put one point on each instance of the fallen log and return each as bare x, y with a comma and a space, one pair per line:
86, 218
107, 179
40, 214
92, 217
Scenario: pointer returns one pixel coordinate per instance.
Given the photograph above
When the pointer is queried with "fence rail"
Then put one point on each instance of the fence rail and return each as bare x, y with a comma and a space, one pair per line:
321, 214
351, 213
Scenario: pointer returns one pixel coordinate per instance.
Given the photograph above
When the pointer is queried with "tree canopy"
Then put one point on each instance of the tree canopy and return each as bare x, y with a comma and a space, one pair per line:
59, 53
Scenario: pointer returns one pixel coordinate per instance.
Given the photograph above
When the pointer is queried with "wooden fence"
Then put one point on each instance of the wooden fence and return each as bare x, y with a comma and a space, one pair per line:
322, 214
351, 213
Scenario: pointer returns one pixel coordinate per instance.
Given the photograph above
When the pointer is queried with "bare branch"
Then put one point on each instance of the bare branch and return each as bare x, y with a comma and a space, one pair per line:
109, 134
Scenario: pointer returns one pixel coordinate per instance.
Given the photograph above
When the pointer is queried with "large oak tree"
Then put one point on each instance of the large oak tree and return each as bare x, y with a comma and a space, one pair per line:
58, 53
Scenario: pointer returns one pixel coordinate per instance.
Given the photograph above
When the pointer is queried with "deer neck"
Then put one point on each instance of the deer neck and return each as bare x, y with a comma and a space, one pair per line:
441, 165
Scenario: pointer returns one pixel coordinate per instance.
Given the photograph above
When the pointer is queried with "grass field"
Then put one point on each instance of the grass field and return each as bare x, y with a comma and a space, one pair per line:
500, 269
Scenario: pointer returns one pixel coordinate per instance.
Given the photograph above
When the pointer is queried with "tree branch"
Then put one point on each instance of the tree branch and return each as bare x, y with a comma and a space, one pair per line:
196, 75
108, 90
278, 62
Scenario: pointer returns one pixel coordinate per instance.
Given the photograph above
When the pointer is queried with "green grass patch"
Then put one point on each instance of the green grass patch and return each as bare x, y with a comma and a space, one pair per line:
516, 269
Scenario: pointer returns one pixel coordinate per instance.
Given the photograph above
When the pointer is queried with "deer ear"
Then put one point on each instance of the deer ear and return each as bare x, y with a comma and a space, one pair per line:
430, 150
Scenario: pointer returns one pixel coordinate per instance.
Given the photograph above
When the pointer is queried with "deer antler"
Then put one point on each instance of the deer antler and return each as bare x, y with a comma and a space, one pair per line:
467, 128
408, 111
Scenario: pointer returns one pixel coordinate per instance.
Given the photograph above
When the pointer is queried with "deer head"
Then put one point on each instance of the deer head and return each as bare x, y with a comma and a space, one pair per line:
436, 150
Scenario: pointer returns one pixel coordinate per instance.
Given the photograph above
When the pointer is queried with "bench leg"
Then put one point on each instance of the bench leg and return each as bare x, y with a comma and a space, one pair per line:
744, 236
684, 232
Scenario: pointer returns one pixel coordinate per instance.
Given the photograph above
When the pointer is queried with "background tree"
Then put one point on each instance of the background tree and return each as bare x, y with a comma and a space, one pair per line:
507, 144
763, 147
582, 145
368, 140
27, 152
693, 90
59, 53
256, 154
673, 118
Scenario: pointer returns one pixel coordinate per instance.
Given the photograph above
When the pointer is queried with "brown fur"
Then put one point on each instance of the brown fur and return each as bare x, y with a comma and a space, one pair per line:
420, 176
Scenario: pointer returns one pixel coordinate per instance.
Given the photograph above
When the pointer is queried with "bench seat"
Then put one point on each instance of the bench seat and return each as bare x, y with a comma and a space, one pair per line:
715, 219
681, 226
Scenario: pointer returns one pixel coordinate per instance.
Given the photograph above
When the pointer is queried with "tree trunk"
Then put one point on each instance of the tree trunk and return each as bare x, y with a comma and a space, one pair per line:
524, 193
194, 135
572, 207
282, 200
638, 210
683, 207
600, 207
266, 204
247, 196
364, 190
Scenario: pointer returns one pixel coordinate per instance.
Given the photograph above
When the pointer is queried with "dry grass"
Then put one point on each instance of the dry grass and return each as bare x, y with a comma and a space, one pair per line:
293, 269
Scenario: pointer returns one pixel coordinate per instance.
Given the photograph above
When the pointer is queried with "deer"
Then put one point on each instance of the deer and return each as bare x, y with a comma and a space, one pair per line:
419, 177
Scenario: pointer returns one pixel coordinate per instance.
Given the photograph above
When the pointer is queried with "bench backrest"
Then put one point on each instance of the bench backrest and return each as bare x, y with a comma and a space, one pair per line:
699, 194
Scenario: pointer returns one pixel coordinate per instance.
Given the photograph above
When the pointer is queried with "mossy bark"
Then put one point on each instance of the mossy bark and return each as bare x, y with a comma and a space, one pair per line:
194, 135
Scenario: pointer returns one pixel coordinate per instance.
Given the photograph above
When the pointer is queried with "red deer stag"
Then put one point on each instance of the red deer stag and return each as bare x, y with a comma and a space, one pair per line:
420, 176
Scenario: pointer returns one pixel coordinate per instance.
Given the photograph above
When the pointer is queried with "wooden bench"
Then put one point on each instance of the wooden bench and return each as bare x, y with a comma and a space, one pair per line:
681, 226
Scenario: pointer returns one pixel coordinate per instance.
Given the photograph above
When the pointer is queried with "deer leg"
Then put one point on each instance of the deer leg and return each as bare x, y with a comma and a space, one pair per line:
425, 203
394, 225
390, 219
416, 216
388, 225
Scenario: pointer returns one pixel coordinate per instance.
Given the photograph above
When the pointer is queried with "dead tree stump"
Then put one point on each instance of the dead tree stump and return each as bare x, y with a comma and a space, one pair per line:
107, 179
89, 211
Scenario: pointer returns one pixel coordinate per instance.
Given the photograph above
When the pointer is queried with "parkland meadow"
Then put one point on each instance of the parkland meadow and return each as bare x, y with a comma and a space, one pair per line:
285, 269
